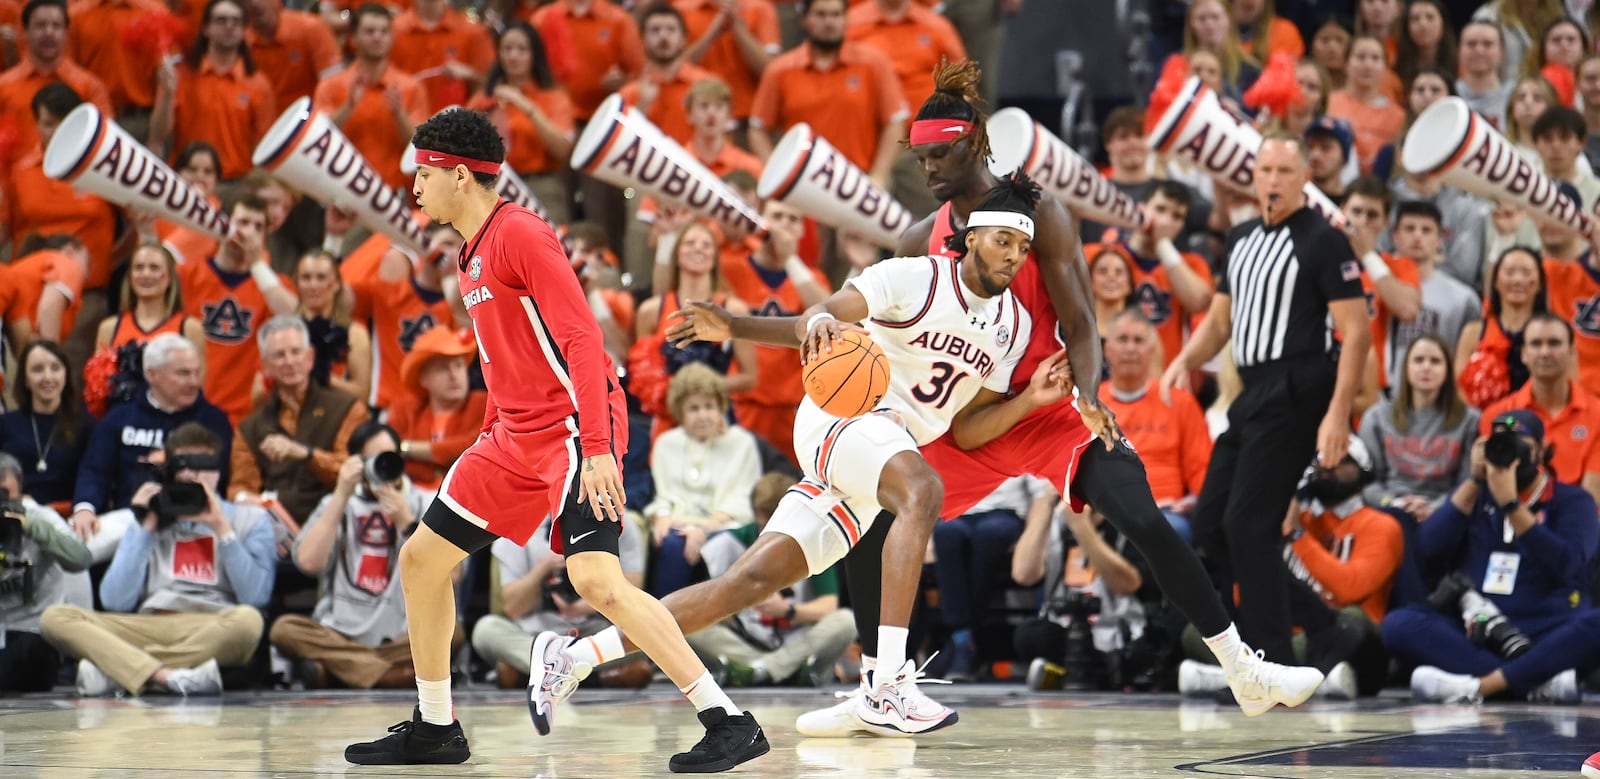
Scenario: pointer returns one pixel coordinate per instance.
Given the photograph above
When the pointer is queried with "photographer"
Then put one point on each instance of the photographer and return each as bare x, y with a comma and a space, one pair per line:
352, 543
36, 550
1524, 544
194, 566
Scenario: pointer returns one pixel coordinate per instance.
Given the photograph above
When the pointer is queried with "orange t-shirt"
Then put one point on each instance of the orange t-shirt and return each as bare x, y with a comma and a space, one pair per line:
602, 38
295, 57
769, 293
396, 312
127, 329
668, 111
1361, 572
837, 102
95, 39
230, 111
371, 126
19, 84
1574, 291
189, 244
525, 150
914, 43
230, 308
1174, 442
722, 57
36, 272
422, 51
1152, 292
36, 203
1383, 320
448, 435
1282, 37
1375, 125
1574, 432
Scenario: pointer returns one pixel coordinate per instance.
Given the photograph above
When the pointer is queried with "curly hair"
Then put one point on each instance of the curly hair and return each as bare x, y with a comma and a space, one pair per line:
691, 380
1015, 192
463, 133
955, 96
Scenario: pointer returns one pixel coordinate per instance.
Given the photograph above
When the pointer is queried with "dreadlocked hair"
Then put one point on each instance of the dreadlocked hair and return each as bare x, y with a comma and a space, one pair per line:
955, 96
1015, 192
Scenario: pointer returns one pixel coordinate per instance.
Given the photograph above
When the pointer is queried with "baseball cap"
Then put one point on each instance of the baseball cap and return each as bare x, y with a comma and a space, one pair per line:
1522, 422
1335, 128
437, 342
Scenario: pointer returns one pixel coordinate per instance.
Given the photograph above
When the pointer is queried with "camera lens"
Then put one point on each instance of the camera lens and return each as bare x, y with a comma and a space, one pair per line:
1502, 448
385, 467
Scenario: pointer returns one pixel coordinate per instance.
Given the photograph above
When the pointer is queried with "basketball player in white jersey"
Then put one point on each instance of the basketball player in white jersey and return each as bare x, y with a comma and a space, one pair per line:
952, 332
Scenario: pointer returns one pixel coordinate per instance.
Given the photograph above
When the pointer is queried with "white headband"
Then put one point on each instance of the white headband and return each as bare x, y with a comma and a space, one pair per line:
1011, 219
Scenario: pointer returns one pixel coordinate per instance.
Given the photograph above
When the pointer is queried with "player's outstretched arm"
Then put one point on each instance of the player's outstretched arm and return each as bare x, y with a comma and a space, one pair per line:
989, 415
699, 321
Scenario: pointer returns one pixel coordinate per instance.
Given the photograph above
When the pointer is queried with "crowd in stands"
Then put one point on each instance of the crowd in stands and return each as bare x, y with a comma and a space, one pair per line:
213, 449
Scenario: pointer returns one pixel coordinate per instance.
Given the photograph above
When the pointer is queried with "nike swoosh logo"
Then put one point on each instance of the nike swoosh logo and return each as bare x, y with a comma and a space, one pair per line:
435, 158
956, 129
575, 539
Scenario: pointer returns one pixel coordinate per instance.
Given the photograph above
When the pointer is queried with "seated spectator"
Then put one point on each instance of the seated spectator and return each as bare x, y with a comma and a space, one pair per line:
401, 300
1523, 544
1448, 304
1171, 436
294, 444
439, 415
1372, 113
795, 635
1569, 412
1489, 361
216, 95
118, 459
182, 591
704, 471
50, 430
40, 551
533, 114
1420, 440
1560, 47
352, 544
537, 596
342, 346
151, 303
970, 551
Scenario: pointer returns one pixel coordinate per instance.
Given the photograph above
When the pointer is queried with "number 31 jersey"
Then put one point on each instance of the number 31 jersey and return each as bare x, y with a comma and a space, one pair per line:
943, 341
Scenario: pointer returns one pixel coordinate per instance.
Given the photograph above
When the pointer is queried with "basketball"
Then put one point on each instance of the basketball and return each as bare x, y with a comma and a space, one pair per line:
849, 381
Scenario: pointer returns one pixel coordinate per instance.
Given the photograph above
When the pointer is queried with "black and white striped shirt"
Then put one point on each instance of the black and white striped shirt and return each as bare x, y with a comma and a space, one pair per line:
1280, 279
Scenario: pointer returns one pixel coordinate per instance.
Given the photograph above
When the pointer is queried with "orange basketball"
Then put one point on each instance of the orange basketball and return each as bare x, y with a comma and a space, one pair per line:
849, 381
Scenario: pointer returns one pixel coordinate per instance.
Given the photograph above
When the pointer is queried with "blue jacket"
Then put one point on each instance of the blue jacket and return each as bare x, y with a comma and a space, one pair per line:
1553, 575
115, 464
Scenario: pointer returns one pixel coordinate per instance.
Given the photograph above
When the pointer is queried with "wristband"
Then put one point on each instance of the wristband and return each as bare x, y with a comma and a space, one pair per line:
597, 305
1376, 268
798, 272
1168, 253
664, 249
815, 318
227, 539
333, 244
265, 278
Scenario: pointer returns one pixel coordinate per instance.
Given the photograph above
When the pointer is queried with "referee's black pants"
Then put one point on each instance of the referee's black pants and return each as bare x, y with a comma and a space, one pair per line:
1255, 465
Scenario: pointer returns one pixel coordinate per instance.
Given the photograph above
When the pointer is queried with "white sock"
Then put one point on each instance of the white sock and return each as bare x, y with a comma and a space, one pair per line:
590, 651
891, 648
1226, 646
434, 700
705, 694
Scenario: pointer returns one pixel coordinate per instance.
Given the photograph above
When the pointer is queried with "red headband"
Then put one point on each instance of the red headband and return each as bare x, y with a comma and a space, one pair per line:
439, 159
938, 131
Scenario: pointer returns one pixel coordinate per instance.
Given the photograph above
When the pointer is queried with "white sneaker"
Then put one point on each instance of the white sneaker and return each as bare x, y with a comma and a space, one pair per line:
838, 720
1197, 678
203, 679
1433, 685
1591, 767
552, 678
1259, 685
895, 706
1340, 684
1561, 688
93, 682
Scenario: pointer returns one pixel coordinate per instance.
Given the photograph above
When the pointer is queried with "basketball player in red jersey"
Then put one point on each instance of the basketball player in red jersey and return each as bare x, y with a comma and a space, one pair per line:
550, 442
1055, 442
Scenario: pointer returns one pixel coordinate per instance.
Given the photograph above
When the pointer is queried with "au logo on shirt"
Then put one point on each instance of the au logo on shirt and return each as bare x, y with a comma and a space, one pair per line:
1587, 317
1153, 303
226, 322
410, 329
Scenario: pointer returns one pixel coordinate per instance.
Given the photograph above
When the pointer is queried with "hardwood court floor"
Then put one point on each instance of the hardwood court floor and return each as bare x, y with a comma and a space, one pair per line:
1004, 731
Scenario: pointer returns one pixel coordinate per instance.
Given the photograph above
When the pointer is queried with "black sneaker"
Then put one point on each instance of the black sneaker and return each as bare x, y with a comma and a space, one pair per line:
414, 742
729, 740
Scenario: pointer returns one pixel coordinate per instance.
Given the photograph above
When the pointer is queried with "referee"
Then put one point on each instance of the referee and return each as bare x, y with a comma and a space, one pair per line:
1280, 278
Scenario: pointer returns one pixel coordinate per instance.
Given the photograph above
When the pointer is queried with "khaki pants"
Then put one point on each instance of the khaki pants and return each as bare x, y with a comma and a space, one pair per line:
130, 648
821, 643
354, 663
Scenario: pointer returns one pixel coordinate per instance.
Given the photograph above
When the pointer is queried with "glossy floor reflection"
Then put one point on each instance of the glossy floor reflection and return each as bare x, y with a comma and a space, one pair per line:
1004, 731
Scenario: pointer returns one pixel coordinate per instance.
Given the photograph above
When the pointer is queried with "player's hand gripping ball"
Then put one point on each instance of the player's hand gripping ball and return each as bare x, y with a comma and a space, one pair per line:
850, 380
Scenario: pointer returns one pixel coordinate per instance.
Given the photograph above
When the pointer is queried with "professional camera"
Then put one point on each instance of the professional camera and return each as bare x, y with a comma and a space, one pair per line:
559, 584
16, 572
1504, 446
1486, 625
385, 468
11, 512
179, 499
1082, 662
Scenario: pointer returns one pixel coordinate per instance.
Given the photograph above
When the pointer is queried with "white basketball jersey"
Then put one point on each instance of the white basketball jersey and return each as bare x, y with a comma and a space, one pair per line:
943, 341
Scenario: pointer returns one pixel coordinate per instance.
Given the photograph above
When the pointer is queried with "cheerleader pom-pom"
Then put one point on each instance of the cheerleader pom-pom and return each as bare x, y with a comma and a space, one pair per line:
97, 373
1560, 78
155, 34
1276, 89
1173, 75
